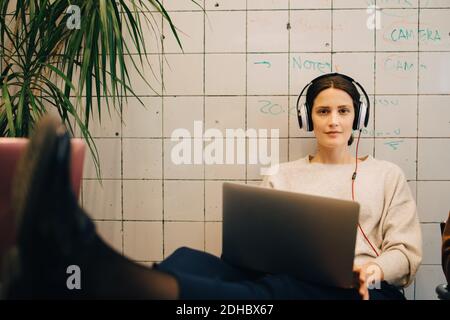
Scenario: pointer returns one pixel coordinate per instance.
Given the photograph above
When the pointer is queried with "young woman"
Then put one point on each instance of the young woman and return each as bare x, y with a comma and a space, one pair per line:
54, 232
389, 245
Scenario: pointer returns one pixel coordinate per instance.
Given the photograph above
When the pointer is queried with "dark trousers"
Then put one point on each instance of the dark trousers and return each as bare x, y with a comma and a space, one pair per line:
203, 276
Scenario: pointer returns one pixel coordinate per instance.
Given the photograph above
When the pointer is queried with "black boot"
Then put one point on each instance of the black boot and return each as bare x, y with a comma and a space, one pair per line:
51, 232
58, 254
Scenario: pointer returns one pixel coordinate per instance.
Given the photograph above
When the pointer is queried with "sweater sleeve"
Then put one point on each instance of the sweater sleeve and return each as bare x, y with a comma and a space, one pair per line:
446, 250
401, 247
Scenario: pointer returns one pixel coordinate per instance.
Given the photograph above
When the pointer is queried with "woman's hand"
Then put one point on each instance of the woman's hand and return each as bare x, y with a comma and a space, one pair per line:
370, 276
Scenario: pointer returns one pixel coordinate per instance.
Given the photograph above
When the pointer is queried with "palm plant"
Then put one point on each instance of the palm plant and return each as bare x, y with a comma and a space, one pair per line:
43, 57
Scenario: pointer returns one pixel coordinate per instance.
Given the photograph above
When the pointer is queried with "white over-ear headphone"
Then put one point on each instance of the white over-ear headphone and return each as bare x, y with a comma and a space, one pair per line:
361, 108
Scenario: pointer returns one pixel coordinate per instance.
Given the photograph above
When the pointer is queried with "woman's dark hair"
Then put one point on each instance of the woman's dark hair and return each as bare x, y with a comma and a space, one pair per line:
337, 82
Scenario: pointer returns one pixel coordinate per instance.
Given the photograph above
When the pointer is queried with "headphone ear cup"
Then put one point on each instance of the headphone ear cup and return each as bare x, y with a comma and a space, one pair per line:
362, 116
303, 118
366, 120
299, 117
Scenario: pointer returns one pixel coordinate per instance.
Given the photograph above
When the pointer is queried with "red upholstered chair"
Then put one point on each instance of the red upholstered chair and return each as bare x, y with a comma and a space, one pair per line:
10, 151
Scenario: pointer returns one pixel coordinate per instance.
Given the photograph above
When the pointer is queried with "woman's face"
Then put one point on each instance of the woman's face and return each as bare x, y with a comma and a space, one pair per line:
332, 117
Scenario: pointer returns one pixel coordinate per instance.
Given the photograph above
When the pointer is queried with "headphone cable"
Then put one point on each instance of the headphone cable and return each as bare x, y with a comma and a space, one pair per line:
353, 195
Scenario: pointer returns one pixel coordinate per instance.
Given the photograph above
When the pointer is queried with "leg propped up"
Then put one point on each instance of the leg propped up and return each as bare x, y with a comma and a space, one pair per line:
54, 233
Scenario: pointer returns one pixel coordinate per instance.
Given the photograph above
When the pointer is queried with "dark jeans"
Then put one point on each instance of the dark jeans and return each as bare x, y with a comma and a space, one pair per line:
203, 276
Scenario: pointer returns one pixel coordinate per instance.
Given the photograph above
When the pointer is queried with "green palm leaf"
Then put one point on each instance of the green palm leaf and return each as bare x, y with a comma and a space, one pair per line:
45, 64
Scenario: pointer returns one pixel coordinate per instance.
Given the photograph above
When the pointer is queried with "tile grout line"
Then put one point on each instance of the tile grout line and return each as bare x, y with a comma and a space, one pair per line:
163, 225
122, 224
417, 120
289, 26
374, 77
204, 126
246, 85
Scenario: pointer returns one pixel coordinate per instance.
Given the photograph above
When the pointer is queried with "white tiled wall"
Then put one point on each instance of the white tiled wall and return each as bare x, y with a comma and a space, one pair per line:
223, 36
392, 39
435, 67
353, 63
111, 232
139, 121
225, 113
183, 200
183, 234
142, 200
347, 24
396, 72
183, 74
190, 26
310, 31
109, 151
267, 31
243, 69
213, 238
232, 69
142, 158
143, 241
103, 201
267, 74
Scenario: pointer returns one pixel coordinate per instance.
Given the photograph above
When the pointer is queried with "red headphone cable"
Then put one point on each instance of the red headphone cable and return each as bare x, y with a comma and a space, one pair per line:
353, 196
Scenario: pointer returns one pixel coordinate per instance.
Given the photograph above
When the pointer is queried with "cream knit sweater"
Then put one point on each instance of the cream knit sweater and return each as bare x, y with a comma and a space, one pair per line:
388, 213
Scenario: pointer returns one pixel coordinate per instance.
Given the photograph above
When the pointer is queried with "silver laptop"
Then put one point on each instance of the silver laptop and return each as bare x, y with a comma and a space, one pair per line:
272, 231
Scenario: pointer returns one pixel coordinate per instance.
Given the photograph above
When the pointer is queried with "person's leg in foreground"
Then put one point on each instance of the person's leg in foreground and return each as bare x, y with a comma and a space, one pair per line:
53, 233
